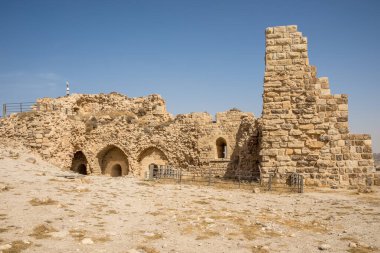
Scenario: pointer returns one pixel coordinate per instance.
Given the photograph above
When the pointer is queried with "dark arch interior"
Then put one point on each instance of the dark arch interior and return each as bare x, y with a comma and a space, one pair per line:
221, 148
82, 169
79, 163
155, 169
116, 170
154, 165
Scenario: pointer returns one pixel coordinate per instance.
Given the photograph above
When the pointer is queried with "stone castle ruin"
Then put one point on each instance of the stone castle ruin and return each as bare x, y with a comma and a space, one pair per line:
303, 129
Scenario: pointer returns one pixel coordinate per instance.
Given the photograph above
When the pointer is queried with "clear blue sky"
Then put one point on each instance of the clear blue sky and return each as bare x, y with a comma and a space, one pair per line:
199, 55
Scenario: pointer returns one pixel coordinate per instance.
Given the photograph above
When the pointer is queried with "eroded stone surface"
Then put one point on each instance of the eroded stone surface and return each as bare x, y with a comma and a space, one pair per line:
304, 126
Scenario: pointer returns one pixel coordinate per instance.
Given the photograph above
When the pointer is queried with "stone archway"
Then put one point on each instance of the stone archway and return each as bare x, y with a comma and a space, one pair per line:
79, 163
148, 157
113, 161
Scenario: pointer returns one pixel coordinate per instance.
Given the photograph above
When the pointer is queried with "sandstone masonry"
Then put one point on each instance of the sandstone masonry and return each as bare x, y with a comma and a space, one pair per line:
303, 129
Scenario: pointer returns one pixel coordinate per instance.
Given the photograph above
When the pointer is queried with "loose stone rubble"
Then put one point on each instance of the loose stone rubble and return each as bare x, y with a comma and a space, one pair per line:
303, 129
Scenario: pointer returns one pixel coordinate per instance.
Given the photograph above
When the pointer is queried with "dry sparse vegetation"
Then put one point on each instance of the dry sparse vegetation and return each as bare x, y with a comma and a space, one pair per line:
101, 239
17, 246
78, 234
147, 249
42, 231
259, 249
2, 230
42, 202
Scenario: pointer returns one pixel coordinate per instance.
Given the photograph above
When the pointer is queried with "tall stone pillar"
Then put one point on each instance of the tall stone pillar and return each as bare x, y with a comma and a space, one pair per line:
304, 127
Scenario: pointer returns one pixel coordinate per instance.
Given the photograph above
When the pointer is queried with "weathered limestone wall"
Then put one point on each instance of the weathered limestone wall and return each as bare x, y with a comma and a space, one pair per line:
112, 129
304, 127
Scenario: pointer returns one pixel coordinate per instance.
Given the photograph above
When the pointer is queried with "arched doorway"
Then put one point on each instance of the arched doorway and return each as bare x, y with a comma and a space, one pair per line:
151, 156
113, 161
221, 148
79, 163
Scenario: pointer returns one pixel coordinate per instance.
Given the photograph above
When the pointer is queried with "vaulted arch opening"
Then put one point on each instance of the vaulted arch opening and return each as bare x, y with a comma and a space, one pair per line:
221, 148
151, 156
79, 163
113, 161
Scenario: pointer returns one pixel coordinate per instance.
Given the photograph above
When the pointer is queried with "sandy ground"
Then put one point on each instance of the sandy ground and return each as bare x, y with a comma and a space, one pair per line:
41, 211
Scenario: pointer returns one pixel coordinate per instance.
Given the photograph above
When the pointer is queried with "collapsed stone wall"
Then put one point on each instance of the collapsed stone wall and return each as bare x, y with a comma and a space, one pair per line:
112, 129
305, 127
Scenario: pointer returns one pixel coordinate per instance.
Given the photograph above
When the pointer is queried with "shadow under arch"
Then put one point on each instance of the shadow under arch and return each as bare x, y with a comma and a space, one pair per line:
79, 163
245, 159
113, 161
148, 156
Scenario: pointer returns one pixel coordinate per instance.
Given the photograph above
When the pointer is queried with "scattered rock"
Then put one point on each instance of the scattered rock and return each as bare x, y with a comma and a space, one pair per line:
82, 189
133, 251
330, 217
324, 246
260, 249
13, 155
5, 246
3, 187
364, 245
352, 245
256, 190
60, 234
31, 160
149, 234
209, 220
365, 190
87, 241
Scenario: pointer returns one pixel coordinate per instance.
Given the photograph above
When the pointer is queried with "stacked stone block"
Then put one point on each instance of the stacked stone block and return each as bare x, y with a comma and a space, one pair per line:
304, 127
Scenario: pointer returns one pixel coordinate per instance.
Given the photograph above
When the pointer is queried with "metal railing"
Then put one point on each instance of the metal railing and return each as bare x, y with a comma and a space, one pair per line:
10, 108
17, 107
210, 177
206, 177
294, 183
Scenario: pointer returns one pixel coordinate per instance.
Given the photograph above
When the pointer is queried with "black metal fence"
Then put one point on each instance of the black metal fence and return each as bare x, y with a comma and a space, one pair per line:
10, 108
293, 182
211, 177
206, 177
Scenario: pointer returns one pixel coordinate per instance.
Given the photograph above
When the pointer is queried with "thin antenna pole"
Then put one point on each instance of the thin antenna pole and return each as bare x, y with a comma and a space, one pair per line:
67, 88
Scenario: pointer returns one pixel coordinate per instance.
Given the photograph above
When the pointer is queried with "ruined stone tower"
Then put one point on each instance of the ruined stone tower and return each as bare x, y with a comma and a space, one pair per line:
305, 127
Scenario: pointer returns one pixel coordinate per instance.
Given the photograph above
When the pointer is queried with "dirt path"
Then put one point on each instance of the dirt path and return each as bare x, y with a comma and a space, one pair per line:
41, 211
